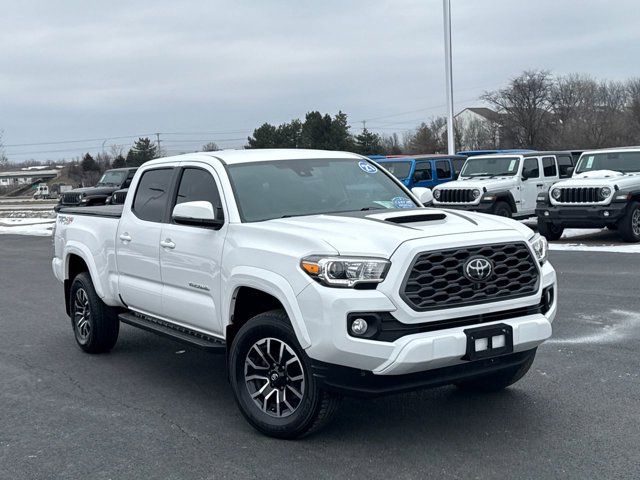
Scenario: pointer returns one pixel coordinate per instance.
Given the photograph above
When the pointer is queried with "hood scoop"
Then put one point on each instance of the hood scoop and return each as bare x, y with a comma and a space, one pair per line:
415, 218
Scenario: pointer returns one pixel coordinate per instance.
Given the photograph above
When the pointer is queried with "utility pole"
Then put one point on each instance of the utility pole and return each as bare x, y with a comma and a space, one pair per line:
364, 125
159, 150
451, 143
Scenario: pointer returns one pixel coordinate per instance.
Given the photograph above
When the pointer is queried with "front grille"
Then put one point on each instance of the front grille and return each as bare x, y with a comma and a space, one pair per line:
580, 195
436, 279
71, 198
118, 197
456, 195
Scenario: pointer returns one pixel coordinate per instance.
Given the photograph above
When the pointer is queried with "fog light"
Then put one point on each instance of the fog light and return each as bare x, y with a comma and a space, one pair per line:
546, 214
606, 213
359, 326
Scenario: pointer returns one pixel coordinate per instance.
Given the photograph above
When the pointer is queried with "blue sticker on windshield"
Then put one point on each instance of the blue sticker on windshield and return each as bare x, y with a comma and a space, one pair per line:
402, 202
367, 167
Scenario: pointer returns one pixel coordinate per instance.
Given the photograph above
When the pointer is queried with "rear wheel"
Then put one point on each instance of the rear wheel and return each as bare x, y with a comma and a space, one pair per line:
502, 209
550, 231
95, 324
500, 380
629, 225
272, 382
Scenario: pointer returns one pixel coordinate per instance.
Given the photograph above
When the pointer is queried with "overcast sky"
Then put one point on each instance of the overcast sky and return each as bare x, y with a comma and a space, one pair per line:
76, 70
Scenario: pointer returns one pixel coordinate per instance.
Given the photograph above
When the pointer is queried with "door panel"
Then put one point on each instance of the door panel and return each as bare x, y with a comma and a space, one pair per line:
190, 264
138, 243
532, 185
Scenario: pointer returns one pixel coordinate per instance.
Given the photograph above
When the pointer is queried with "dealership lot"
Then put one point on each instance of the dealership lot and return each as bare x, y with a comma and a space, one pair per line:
153, 408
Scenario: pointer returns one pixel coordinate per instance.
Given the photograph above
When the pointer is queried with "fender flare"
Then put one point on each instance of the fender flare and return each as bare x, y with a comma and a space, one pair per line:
76, 248
505, 195
268, 282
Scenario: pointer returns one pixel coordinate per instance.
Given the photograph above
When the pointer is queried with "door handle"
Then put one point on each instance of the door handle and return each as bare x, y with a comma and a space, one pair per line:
125, 237
540, 185
167, 243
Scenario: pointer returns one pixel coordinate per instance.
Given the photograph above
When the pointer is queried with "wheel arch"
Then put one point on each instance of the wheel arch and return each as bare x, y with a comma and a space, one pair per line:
78, 259
506, 196
251, 291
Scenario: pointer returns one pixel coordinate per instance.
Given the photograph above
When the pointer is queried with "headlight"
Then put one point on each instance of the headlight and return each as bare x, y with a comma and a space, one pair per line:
345, 271
605, 192
555, 193
540, 247
476, 193
436, 194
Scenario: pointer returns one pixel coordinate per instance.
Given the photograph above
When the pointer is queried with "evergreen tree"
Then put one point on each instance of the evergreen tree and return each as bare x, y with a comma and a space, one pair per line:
142, 151
88, 164
210, 147
119, 162
368, 143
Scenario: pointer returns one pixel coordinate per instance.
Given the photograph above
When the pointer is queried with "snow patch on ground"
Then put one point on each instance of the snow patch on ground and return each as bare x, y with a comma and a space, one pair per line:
27, 224
625, 324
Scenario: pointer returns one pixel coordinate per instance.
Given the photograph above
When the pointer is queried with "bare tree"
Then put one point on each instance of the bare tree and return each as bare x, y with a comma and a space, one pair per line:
479, 135
427, 138
210, 147
391, 144
527, 108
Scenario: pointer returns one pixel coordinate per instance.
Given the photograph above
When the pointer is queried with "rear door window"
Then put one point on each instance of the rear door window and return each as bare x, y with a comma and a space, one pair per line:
549, 166
443, 169
152, 194
422, 172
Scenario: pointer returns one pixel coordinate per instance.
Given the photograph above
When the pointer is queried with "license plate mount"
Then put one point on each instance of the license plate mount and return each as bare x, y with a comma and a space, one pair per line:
487, 342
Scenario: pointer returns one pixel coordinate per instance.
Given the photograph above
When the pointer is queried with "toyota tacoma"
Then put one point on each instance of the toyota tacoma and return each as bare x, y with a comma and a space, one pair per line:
317, 273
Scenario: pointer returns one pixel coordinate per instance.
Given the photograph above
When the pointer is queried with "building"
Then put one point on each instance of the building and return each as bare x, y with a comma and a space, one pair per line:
477, 128
26, 177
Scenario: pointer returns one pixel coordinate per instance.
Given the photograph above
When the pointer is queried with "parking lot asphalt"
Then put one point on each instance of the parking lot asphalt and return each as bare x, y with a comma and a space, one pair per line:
153, 408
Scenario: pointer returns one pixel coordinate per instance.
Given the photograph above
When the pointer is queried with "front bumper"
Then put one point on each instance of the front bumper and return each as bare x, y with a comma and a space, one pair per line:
325, 313
354, 382
582, 216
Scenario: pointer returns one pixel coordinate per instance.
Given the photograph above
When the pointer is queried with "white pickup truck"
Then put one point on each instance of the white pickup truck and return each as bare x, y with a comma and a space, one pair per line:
317, 273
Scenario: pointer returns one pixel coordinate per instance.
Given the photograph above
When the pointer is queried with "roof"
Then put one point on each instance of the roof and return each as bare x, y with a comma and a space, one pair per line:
484, 112
420, 156
233, 157
611, 150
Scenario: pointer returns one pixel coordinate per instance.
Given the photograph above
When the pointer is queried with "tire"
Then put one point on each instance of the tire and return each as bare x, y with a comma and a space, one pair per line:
95, 325
502, 209
253, 354
629, 225
549, 231
498, 381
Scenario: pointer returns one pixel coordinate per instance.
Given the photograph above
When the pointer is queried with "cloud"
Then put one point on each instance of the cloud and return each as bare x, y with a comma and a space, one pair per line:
87, 69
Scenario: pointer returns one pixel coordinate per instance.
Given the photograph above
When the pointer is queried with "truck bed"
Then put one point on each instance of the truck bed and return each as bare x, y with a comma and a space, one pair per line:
111, 211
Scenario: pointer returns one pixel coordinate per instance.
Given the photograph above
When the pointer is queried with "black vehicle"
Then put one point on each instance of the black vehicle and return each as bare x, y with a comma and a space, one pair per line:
118, 197
99, 194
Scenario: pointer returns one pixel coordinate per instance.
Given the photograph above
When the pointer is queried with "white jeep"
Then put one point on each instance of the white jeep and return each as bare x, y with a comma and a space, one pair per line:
506, 184
317, 273
603, 192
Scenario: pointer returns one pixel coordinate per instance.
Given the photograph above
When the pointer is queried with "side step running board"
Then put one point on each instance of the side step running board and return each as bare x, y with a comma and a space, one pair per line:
175, 332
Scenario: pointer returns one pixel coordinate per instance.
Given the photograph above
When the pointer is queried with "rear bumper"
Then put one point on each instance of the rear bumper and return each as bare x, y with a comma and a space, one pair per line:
596, 216
360, 383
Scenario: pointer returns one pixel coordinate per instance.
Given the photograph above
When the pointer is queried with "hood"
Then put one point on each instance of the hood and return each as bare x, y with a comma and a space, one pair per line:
599, 178
490, 183
380, 233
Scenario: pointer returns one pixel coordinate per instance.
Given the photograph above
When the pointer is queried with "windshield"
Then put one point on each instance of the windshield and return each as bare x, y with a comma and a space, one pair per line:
288, 188
397, 169
624, 162
113, 177
494, 166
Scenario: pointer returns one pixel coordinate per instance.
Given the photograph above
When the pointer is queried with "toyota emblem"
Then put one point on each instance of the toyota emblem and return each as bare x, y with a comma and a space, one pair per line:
478, 269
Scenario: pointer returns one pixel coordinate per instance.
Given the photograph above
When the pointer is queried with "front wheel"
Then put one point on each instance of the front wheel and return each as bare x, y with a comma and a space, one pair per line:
550, 231
502, 209
629, 225
272, 382
495, 382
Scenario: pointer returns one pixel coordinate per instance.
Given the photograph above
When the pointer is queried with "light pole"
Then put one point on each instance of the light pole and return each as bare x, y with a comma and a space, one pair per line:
451, 143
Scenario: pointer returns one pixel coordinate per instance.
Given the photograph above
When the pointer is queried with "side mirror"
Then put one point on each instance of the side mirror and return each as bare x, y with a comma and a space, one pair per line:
200, 214
424, 195
569, 171
525, 175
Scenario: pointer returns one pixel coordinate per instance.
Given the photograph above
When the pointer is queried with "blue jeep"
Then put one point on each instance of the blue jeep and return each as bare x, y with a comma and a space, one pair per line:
422, 170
